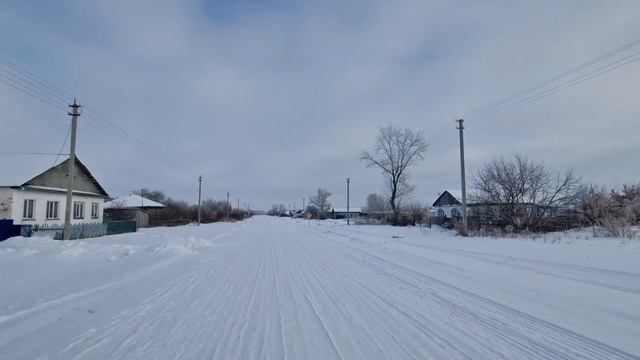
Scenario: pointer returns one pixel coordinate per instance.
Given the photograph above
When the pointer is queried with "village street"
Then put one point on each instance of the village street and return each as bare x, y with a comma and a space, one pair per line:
286, 289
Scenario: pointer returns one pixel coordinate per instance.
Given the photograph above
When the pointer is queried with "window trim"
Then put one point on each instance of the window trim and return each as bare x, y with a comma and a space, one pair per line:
54, 213
95, 206
456, 214
25, 208
78, 215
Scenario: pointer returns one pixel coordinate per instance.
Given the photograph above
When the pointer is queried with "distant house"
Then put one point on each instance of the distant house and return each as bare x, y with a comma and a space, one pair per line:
448, 205
42, 199
131, 207
343, 213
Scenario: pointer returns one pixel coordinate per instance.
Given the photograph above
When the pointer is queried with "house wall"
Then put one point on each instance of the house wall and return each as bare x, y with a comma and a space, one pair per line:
5, 203
448, 208
58, 177
118, 214
40, 209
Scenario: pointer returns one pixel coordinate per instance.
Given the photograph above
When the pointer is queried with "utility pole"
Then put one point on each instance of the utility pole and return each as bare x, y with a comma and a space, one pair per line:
75, 112
238, 203
199, 199
348, 213
465, 228
228, 206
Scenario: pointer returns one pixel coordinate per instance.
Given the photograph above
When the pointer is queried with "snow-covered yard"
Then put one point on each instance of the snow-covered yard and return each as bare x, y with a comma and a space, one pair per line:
281, 288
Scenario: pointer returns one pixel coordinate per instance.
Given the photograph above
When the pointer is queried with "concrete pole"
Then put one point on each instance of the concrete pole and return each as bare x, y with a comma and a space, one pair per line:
465, 228
348, 213
199, 199
75, 112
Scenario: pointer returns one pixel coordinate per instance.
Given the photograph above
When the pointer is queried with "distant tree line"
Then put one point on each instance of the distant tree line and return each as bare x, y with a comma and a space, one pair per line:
180, 212
319, 206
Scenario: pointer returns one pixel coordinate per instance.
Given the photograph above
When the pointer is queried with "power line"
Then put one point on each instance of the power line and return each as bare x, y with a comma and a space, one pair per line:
485, 108
36, 78
63, 144
25, 90
29, 84
30, 153
563, 86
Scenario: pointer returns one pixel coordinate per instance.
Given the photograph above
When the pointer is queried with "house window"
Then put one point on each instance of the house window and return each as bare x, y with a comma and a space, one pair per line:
441, 213
78, 210
455, 214
95, 207
27, 212
52, 209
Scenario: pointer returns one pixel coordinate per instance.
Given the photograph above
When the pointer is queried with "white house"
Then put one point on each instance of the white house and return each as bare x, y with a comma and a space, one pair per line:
448, 205
42, 199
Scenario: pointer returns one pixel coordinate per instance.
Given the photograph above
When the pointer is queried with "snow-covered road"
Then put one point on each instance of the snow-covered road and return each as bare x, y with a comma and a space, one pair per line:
285, 289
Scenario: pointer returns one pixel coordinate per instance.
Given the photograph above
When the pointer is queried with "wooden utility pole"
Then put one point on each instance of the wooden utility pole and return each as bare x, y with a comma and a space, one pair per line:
465, 228
75, 112
199, 199
348, 213
228, 206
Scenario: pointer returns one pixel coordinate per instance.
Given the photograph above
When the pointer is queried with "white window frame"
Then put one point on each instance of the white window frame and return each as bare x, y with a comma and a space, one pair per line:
95, 210
78, 210
52, 210
29, 212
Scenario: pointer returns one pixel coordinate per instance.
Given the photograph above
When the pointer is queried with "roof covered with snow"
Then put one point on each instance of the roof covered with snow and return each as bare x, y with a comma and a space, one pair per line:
344, 210
456, 194
445, 198
132, 201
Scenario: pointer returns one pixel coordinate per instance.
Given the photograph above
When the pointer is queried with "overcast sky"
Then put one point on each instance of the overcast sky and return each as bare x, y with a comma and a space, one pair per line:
270, 100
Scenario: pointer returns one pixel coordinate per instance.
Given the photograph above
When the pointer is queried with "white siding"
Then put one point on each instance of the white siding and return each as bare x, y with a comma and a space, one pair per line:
5, 203
41, 198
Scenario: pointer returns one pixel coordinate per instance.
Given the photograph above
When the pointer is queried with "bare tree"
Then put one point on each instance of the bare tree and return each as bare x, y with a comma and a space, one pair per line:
417, 211
321, 201
594, 204
155, 195
612, 213
395, 151
277, 210
377, 204
523, 192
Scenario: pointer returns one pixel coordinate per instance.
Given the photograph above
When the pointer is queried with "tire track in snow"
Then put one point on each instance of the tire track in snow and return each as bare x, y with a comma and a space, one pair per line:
581, 274
279, 303
413, 318
553, 332
303, 286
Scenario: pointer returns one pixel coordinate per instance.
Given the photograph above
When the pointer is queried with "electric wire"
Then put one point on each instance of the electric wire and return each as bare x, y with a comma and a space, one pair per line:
482, 109
62, 147
36, 87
